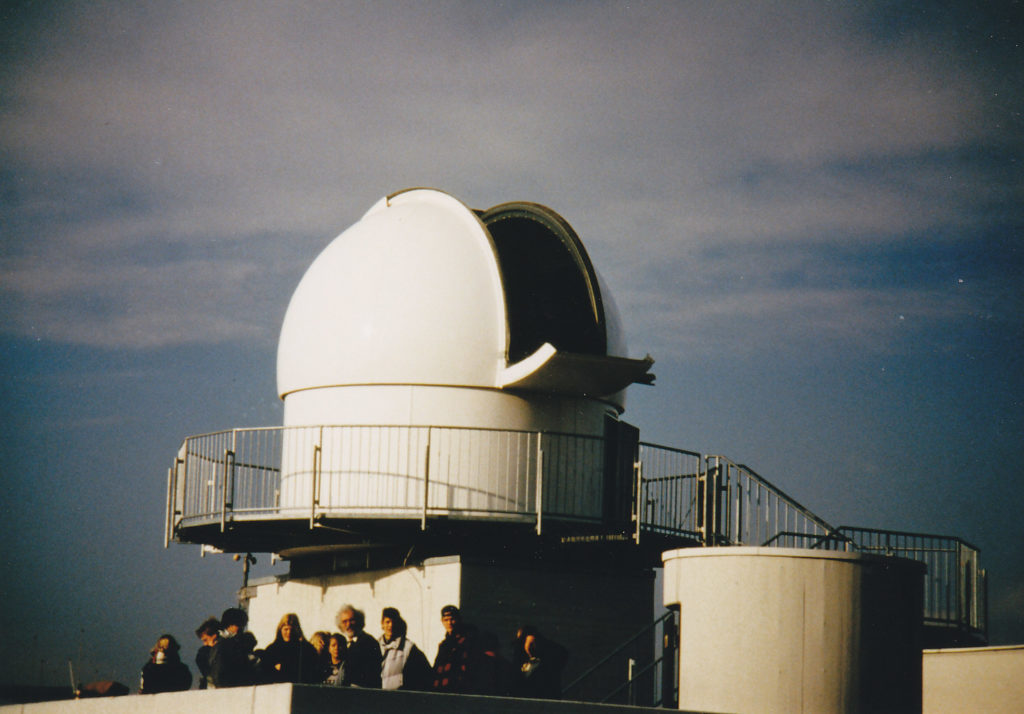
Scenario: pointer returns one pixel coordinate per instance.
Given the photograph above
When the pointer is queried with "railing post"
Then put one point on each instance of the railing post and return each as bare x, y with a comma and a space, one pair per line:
983, 600
229, 456
669, 666
739, 510
540, 483
426, 483
315, 485
172, 496
702, 498
958, 568
638, 473
724, 503
180, 488
169, 509
630, 668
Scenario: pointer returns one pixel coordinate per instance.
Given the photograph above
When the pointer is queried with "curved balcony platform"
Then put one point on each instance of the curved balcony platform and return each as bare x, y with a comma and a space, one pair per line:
397, 493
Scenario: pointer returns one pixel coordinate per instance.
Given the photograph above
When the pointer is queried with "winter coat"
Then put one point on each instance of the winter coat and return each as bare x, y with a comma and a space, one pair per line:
404, 666
299, 662
169, 676
361, 661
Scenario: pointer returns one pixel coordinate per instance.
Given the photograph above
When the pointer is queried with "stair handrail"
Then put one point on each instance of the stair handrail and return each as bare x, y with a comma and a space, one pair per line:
835, 535
617, 651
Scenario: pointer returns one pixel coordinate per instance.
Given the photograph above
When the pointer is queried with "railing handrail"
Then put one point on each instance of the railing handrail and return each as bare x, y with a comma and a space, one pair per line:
792, 501
617, 651
910, 534
819, 537
451, 427
673, 449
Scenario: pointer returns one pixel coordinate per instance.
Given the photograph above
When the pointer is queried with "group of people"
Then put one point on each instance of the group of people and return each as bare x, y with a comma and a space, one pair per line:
467, 661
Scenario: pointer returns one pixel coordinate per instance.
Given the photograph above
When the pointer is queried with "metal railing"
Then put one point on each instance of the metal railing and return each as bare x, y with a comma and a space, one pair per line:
420, 472
386, 472
529, 477
954, 585
668, 503
636, 671
718, 502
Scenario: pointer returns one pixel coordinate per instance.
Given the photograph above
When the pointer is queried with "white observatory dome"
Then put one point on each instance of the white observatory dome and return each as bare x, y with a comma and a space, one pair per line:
423, 291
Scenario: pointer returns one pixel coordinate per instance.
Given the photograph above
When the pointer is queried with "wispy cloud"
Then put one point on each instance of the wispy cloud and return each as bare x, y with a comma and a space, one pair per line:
658, 129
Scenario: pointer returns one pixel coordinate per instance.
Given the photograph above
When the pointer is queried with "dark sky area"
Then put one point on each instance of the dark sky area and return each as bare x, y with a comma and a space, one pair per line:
810, 214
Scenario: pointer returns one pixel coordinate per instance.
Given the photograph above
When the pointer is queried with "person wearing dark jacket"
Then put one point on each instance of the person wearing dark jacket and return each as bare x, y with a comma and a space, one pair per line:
165, 672
232, 662
457, 666
539, 662
290, 658
208, 633
361, 658
333, 671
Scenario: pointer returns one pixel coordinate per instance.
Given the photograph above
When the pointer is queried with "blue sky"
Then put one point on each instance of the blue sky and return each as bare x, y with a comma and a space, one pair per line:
810, 214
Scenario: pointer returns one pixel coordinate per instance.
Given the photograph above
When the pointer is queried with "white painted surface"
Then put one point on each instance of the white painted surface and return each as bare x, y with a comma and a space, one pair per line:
590, 613
410, 294
401, 321
417, 405
780, 630
268, 699
308, 699
418, 592
381, 472
979, 679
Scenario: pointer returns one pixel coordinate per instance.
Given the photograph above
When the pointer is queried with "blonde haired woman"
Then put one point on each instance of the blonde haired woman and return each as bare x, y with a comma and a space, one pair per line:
289, 658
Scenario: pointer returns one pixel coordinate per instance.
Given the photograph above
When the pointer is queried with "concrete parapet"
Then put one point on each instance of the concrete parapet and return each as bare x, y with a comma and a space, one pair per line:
976, 679
309, 699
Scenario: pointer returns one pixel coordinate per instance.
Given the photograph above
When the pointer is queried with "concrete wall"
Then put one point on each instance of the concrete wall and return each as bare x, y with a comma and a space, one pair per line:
270, 699
419, 592
306, 699
588, 611
981, 679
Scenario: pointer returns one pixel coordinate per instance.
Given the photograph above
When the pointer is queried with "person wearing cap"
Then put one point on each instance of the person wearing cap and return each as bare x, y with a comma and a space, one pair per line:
457, 662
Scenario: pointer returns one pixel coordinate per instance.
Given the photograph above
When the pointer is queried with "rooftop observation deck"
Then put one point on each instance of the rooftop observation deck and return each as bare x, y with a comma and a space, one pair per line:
297, 490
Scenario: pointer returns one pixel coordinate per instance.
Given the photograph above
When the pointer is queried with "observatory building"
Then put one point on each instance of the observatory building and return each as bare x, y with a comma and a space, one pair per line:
454, 382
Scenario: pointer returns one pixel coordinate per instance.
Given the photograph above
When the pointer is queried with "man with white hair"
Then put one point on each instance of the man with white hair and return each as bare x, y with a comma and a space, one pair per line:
361, 658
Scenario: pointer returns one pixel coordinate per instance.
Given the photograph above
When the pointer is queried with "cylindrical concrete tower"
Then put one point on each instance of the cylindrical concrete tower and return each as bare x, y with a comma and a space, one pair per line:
789, 630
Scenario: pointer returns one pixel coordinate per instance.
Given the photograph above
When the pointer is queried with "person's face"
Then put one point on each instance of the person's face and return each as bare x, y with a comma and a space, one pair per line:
347, 623
208, 640
334, 648
450, 622
387, 627
162, 644
286, 632
233, 629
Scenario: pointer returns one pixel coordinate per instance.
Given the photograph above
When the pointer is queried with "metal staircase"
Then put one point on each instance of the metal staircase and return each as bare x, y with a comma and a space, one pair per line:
711, 501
